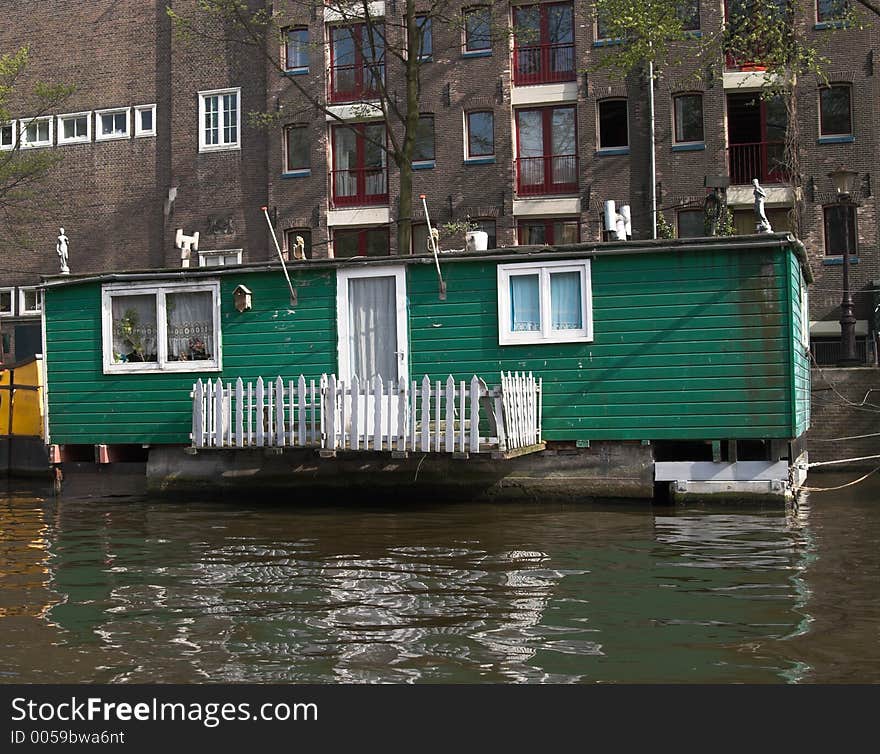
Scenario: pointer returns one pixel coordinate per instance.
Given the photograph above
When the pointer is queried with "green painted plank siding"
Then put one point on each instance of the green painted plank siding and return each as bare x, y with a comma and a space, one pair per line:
687, 345
87, 406
801, 385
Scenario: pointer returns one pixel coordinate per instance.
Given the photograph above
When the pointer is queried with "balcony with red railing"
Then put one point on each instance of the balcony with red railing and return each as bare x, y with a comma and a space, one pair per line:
355, 83
763, 160
353, 187
548, 174
543, 63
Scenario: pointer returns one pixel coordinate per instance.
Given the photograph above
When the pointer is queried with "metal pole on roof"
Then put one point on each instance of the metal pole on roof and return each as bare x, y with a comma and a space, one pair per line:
280, 256
433, 241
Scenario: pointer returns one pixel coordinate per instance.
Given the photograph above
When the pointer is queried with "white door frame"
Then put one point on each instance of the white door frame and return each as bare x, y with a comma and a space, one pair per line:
398, 272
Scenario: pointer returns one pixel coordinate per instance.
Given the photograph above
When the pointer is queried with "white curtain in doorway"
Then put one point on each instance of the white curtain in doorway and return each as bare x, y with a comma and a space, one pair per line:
373, 327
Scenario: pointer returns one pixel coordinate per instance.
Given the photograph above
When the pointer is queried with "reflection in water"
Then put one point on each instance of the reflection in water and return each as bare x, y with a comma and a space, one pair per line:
143, 591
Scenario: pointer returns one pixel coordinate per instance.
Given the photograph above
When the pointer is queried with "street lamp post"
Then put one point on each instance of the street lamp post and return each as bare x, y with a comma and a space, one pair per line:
845, 183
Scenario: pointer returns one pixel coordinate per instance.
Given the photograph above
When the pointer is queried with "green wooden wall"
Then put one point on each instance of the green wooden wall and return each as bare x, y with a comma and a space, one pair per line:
799, 358
687, 345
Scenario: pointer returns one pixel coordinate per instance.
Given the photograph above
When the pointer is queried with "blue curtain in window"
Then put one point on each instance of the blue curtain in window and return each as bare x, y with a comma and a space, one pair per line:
566, 310
525, 303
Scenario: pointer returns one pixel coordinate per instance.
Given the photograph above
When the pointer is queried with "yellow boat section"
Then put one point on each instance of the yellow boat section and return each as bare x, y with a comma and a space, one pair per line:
21, 399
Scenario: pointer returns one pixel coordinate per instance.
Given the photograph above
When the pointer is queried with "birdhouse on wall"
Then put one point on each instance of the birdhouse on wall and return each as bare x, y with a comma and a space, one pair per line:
242, 298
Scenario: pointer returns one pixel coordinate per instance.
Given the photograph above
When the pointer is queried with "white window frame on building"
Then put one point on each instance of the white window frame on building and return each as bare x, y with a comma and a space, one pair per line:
114, 135
139, 130
7, 302
223, 143
477, 158
507, 336
24, 292
220, 257
9, 130
296, 48
162, 363
23, 128
76, 138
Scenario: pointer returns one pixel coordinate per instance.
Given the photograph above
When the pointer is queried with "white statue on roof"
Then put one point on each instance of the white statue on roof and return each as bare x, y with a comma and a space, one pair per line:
762, 224
61, 248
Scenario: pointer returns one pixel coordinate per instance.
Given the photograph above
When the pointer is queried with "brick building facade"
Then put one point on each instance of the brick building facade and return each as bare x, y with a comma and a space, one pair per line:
529, 140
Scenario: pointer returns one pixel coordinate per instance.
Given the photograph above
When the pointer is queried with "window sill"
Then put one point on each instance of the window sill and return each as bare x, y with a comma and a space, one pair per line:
836, 139
507, 339
476, 53
697, 146
115, 137
610, 151
424, 165
831, 261
296, 72
296, 174
480, 161
608, 42
819, 26
219, 148
152, 367
68, 142
145, 134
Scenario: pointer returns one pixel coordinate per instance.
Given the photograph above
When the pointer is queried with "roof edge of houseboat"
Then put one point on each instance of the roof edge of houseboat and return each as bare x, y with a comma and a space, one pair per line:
595, 249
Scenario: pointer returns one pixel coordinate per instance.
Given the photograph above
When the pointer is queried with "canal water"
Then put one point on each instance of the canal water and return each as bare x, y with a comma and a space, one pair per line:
140, 590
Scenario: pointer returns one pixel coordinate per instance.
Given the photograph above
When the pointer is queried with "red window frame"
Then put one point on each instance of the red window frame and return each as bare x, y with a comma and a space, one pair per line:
528, 166
532, 60
549, 234
361, 239
361, 89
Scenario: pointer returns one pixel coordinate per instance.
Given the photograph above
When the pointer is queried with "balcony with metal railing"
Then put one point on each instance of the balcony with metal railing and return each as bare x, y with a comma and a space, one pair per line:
543, 63
352, 187
763, 160
548, 174
355, 83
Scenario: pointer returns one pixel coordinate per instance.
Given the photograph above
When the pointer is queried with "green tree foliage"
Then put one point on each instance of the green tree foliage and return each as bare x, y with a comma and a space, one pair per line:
21, 171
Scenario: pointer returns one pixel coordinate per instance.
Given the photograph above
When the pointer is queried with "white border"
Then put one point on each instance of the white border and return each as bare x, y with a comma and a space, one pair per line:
76, 139
342, 329
138, 131
23, 311
100, 136
22, 132
11, 312
508, 338
203, 255
203, 147
162, 365
467, 155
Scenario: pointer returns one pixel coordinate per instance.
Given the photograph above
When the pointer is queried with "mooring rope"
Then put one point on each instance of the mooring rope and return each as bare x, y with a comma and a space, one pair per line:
840, 486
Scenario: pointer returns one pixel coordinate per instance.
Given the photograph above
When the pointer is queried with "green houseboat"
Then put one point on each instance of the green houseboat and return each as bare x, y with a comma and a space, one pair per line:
624, 369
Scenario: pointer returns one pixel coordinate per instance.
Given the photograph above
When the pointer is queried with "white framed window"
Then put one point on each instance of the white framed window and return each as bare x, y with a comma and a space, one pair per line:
7, 302
545, 302
219, 258
112, 124
30, 300
219, 120
144, 120
165, 327
75, 128
36, 132
7, 135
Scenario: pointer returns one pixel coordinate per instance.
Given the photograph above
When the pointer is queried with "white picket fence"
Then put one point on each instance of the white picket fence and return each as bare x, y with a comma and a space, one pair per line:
456, 417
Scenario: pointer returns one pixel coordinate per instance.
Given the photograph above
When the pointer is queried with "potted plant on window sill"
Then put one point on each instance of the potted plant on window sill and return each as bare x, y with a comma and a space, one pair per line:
474, 238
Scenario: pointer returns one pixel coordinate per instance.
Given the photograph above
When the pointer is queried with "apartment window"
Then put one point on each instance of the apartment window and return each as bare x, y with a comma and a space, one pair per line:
602, 31
688, 12
423, 151
613, 125
480, 140
841, 232
112, 124
419, 239
425, 47
543, 43
219, 119
7, 302
831, 10
172, 327
691, 223
36, 132
74, 128
359, 174
357, 61
145, 120
835, 111
296, 50
548, 302
688, 114
546, 144
7, 135
295, 250
30, 301
221, 258
549, 232
360, 242
488, 227
477, 31
296, 150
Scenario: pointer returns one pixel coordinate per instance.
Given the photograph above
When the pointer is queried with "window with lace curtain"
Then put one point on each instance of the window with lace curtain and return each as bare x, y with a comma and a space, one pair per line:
170, 327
